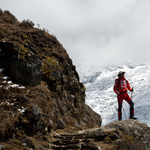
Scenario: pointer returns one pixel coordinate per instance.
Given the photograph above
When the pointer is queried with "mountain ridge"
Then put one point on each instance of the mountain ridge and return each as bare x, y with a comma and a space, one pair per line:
100, 94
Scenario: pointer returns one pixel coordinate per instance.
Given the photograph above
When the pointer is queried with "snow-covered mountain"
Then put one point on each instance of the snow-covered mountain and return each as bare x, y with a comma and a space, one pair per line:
100, 96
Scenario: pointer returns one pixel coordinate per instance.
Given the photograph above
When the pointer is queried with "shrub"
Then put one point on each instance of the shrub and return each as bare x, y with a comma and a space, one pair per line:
1, 12
9, 18
27, 24
50, 68
7, 125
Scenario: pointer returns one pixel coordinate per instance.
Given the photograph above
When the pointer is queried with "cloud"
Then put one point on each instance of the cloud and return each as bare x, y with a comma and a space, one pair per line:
93, 32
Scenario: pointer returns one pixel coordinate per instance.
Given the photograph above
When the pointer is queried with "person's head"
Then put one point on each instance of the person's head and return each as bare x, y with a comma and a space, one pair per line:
121, 74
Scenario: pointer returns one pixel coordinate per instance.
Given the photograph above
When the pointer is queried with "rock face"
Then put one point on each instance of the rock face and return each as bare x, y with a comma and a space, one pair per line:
41, 92
133, 130
36, 112
22, 65
60, 124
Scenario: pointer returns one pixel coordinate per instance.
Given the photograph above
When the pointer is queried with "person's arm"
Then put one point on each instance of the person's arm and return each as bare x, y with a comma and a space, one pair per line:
129, 88
115, 87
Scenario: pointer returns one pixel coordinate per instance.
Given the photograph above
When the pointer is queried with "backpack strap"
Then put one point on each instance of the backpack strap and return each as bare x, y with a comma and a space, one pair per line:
118, 84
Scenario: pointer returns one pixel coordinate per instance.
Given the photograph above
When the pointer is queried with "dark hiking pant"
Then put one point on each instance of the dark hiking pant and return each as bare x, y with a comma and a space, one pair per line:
126, 97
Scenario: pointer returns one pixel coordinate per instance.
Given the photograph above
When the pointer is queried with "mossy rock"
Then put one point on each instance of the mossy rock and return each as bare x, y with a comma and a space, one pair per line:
50, 68
23, 52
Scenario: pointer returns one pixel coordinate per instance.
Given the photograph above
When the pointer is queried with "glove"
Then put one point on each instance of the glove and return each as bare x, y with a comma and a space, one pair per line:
132, 90
118, 92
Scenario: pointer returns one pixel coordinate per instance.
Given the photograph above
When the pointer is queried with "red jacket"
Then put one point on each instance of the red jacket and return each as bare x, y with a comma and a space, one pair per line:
123, 85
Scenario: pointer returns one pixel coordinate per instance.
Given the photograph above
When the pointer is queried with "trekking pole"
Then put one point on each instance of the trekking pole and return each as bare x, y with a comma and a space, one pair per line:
131, 93
124, 112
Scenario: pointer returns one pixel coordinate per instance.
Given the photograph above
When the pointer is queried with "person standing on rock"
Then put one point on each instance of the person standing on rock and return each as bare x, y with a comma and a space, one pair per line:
120, 88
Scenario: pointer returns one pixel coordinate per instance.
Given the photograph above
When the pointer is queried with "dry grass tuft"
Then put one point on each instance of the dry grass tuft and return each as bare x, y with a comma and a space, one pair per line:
7, 124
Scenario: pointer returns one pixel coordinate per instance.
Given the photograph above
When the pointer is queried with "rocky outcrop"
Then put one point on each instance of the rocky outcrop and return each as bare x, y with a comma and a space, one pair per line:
32, 57
132, 130
40, 88
22, 65
125, 135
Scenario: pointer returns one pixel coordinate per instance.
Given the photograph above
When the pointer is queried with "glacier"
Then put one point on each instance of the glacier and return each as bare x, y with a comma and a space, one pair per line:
99, 82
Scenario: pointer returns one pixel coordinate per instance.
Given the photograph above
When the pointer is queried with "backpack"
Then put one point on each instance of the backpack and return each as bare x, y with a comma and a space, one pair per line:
119, 83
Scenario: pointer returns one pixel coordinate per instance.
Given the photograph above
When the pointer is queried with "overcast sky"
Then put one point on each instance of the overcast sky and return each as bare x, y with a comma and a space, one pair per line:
94, 32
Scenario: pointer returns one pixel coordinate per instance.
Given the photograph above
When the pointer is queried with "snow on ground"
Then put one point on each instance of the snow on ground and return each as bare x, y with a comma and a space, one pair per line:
9, 82
100, 96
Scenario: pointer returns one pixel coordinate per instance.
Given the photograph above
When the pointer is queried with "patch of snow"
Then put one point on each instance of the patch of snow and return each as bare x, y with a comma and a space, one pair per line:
7, 102
2, 103
15, 85
9, 82
21, 87
22, 110
6, 77
1, 69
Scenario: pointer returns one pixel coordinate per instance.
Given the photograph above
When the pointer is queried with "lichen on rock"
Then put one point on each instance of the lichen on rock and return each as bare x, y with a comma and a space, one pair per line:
22, 51
51, 68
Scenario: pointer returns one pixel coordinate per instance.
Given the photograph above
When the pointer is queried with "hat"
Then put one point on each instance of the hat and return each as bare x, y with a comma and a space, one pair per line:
121, 72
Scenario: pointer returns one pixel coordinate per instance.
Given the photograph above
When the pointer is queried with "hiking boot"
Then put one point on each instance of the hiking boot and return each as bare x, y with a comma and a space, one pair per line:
133, 118
120, 119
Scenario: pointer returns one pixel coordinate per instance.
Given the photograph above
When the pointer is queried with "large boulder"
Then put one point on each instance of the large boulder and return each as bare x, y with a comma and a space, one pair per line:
22, 65
133, 133
129, 126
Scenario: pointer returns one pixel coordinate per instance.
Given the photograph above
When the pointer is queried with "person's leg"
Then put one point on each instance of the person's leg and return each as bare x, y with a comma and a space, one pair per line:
130, 102
120, 100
